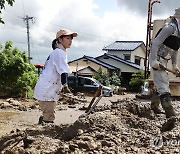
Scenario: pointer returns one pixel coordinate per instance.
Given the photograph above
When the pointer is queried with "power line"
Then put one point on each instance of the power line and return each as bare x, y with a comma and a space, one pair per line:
91, 35
23, 7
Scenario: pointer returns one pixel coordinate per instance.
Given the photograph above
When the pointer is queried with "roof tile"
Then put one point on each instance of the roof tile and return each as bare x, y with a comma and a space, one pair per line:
123, 45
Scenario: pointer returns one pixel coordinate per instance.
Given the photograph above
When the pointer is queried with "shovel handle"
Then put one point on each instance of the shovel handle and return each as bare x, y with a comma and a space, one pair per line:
98, 92
169, 70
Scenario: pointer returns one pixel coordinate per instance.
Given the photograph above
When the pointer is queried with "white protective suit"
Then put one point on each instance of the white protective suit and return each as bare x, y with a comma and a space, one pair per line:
49, 84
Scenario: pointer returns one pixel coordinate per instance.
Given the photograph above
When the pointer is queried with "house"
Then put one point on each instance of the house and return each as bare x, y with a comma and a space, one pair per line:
133, 51
126, 57
39, 67
126, 67
87, 65
82, 70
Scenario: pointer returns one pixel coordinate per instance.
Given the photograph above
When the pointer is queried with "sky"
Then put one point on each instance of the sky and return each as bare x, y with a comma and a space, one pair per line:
98, 23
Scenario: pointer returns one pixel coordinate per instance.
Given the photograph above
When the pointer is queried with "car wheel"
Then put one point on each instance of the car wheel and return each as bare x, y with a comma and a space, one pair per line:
111, 94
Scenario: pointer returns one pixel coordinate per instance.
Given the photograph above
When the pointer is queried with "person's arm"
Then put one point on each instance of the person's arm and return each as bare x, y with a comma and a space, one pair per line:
165, 32
64, 78
175, 68
64, 83
62, 69
174, 58
60, 62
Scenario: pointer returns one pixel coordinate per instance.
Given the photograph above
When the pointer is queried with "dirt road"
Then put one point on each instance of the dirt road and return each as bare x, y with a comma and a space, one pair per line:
12, 118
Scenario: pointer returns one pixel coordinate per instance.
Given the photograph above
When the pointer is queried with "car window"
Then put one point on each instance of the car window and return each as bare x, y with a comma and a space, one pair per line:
96, 81
88, 82
146, 85
80, 81
70, 80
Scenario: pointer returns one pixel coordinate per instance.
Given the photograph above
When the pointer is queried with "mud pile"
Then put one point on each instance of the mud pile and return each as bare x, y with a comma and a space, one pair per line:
126, 126
14, 104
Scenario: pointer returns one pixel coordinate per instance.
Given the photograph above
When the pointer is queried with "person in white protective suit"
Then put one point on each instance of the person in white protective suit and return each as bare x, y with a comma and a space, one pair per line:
53, 78
165, 47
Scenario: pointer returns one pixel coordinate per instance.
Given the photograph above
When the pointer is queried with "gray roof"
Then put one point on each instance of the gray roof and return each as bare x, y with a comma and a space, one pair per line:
123, 46
121, 60
101, 63
106, 65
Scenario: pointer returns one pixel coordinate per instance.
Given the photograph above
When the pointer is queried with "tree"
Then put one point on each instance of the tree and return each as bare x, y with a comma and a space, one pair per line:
115, 80
2, 6
102, 77
18, 77
137, 81
107, 79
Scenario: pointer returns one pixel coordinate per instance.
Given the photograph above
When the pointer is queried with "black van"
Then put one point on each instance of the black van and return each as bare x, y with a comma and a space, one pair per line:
87, 85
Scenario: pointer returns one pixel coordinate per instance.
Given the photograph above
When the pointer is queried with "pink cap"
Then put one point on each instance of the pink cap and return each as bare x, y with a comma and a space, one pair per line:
65, 32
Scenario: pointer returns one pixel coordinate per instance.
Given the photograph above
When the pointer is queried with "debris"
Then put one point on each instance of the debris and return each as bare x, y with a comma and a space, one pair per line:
125, 126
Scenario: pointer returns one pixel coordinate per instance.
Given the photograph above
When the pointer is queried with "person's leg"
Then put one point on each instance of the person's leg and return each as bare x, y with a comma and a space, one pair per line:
155, 101
161, 81
48, 110
162, 84
169, 111
166, 104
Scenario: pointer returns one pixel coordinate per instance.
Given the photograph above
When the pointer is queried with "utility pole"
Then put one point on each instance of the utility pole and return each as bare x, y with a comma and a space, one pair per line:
26, 19
148, 36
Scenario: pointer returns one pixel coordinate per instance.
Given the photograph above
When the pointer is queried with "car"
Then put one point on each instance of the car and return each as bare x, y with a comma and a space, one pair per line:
145, 89
87, 85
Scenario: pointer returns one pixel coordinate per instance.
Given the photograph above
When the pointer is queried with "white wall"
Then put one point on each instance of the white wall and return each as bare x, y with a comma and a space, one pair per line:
140, 52
119, 53
123, 67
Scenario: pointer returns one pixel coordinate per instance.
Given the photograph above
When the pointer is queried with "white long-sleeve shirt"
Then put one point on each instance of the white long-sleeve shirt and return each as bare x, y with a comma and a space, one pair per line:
49, 84
158, 48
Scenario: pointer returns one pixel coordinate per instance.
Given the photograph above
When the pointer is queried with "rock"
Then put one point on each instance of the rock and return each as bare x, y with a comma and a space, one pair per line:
5, 105
80, 131
85, 138
92, 145
72, 106
106, 143
83, 145
72, 147
14, 102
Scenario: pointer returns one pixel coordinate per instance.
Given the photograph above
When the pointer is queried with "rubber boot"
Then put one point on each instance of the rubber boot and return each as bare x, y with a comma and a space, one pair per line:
155, 101
166, 105
169, 111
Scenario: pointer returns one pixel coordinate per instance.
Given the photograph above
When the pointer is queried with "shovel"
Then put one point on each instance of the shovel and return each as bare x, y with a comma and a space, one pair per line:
169, 70
93, 103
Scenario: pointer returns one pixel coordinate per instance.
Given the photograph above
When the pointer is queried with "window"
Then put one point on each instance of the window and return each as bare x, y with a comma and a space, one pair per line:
88, 82
80, 81
137, 60
87, 61
106, 57
127, 57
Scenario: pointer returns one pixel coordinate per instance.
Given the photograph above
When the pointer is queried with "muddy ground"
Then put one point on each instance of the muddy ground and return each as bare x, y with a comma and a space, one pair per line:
119, 124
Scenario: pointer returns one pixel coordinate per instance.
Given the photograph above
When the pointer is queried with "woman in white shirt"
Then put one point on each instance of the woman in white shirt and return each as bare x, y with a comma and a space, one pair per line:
53, 77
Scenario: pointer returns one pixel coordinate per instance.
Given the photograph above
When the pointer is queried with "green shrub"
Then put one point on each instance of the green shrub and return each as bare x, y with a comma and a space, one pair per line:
112, 80
102, 77
18, 77
137, 81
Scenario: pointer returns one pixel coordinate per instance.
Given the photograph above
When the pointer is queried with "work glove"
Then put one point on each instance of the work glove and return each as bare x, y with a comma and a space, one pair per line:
65, 89
155, 65
176, 70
